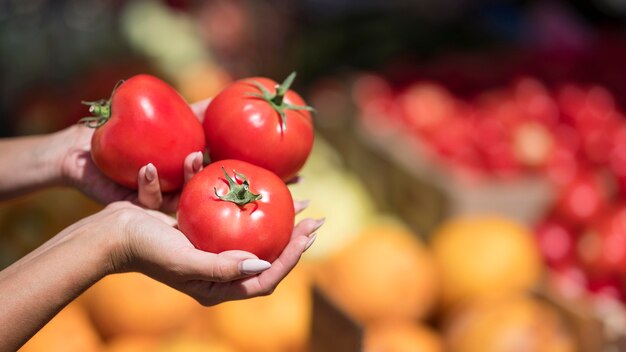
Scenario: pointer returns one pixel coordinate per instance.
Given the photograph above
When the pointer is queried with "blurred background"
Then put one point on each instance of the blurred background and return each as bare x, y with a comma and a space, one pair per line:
470, 159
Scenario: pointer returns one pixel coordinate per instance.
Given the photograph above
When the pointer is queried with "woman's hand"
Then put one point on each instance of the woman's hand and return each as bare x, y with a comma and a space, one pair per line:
124, 237
152, 245
78, 170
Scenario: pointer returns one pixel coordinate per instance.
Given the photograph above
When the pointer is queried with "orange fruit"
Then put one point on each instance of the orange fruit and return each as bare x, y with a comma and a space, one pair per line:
401, 336
385, 273
507, 324
484, 256
132, 343
132, 303
187, 344
274, 323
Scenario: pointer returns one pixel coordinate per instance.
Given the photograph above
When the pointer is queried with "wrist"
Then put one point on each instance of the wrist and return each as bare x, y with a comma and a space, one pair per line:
69, 149
105, 246
55, 148
118, 243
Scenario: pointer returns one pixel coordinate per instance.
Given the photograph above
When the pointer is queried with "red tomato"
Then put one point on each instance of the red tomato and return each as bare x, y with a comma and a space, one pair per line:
602, 247
262, 222
607, 286
556, 242
258, 121
581, 200
145, 121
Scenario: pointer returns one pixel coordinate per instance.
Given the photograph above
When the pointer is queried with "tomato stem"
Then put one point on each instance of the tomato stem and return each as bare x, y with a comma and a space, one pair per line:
101, 109
239, 194
282, 89
277, 99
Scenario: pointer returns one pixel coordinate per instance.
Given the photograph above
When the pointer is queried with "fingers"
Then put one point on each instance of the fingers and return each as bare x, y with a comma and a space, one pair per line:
300, 205
223, 267
149, 190
266, 282
192, 165
169, 202
307, 227
268, 278
199, 108
294, 180
302, 238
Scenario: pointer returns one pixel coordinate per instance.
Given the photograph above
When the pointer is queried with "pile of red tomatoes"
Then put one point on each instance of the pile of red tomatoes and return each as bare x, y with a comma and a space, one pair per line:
574, 135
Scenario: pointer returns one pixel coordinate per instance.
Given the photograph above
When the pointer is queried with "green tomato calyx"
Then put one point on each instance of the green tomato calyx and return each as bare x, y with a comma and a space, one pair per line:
276, 100
239, 194
101, 110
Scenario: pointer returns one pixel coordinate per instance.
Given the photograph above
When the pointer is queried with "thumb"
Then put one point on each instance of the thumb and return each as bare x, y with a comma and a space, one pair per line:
223, 267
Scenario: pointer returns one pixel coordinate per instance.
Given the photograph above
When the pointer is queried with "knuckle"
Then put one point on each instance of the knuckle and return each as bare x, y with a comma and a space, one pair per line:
126, 215
222, 272
115, 205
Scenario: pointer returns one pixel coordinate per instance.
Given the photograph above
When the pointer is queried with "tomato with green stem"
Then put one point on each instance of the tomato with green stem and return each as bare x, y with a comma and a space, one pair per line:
261, 122
144, 121
234, 205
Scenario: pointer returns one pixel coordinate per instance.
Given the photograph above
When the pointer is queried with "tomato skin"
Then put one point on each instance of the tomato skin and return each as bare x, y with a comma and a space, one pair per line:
243, 127
262, 227
602, 246
150, 123
582, 200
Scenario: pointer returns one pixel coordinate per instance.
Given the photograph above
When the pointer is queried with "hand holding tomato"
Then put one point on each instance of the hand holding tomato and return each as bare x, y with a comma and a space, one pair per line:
121, 238
144, 121
78, 170
148, 242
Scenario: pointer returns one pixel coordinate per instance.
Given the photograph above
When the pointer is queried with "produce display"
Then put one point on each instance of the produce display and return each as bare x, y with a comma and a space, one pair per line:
525, 127
401, 335
134, 304
569, 134
508, 323
482, 257
364, 266
328, 178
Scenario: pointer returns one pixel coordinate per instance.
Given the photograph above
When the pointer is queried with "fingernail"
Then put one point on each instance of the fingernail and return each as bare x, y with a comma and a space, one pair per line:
197, 161
296, 180
301, 204
311, 240
150, 172
254, 266
319, 223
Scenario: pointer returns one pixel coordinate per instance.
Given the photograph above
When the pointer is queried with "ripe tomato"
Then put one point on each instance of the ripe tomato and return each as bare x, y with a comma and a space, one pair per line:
144, 121
258, 121
556, 242
232, 204
602, 246
581, 200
